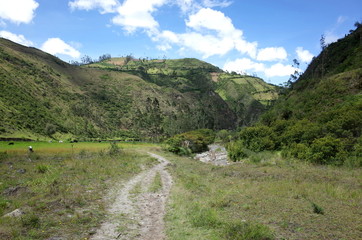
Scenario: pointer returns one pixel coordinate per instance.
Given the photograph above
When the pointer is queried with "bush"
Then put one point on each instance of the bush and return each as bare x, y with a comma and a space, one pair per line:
114, 149
190, 142
258, 138
326, 150
236, 151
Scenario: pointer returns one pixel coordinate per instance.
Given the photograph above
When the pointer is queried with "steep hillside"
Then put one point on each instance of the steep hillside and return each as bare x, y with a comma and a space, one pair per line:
246, 96
319, 119
41, 95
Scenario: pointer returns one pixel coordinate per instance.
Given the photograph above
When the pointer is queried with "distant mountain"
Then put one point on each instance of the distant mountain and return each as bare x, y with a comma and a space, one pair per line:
320, 117
44, 97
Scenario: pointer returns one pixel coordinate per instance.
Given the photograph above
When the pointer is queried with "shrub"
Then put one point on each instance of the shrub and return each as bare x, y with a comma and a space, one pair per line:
114, 149
236, 151
258, 138
296, 150
326, 150
190, 142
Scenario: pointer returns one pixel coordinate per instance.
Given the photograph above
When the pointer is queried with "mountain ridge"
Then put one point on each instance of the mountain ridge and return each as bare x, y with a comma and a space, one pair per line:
43, 97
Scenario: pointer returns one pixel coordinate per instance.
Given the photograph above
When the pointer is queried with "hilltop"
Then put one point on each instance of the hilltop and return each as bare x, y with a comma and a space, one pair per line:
44, 97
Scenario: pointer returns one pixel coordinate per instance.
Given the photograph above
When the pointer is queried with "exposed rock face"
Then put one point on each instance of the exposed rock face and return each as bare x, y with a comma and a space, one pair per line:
216, 155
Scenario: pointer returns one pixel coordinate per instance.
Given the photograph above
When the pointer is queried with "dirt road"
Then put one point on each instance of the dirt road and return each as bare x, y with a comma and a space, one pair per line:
137, 213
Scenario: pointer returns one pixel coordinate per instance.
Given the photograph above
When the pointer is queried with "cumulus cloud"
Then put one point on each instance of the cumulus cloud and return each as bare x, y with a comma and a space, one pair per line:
272, 54
16, 38
243, 65
134, 14
211, 33
304, 55
56, 46
280, 70
105, 6
210, 19
18, 11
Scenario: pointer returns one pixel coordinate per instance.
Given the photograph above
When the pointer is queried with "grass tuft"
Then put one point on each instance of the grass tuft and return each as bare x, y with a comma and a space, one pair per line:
156, 184
317, 209
247, 231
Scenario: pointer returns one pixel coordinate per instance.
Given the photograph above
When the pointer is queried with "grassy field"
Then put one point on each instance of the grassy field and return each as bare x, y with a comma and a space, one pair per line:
60, 187
269, 198
61, 191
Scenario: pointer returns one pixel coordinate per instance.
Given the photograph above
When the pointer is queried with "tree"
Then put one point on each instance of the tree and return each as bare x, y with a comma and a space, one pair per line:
86, 59
295, 75
104, 57
323, 42
323, 46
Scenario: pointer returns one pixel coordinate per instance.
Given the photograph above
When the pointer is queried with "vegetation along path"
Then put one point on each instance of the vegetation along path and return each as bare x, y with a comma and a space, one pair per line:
139, 206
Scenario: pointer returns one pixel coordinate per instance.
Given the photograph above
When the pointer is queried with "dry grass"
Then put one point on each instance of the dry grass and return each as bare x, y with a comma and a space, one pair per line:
61, 191
274, 195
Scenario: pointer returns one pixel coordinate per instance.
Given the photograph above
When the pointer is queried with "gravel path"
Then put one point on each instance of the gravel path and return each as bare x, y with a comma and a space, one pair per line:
137, 213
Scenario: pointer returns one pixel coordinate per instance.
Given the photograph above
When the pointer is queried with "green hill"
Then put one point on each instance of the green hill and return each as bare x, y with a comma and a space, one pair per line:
319, 118
44, 97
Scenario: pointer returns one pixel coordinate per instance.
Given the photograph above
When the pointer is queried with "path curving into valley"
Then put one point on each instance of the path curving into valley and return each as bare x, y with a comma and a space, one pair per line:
137, 212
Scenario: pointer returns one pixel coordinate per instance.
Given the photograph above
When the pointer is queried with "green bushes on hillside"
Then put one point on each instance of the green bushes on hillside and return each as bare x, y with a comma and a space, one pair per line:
190, 142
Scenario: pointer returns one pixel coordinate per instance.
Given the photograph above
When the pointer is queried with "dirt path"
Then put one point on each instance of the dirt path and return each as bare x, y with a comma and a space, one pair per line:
137, 213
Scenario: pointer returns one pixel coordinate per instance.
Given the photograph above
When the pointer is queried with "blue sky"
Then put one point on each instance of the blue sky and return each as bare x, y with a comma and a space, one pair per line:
259, 37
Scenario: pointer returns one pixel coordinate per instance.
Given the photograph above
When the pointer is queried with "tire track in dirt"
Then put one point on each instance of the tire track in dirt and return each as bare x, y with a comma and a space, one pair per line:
139, 216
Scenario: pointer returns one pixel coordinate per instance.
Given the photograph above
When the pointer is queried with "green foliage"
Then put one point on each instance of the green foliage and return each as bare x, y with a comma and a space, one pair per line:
317, 209
114, 149
318, 120
203, 216
42, 168
258, 138
190, 142
30, 221
326, 150
248, 231
236, 151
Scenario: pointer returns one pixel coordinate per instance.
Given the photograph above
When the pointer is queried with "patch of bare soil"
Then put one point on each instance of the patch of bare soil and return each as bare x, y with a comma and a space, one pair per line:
137, 213
217, 155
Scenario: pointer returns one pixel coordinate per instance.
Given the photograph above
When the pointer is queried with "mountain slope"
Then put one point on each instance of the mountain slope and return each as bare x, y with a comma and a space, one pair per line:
41, 95
319, 119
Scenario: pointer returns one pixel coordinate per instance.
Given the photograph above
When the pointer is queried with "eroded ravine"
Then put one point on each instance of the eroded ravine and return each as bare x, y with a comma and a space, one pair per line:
138, 216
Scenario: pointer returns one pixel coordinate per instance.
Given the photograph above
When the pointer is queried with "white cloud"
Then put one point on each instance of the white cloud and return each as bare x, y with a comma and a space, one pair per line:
211, 33
106, 6
304, 55
280, 70
185, 5
210, 19
16, 38
134, 14
341, 19
216, 3
330, 37
18, 11
272, 54
56, 46
243, 65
